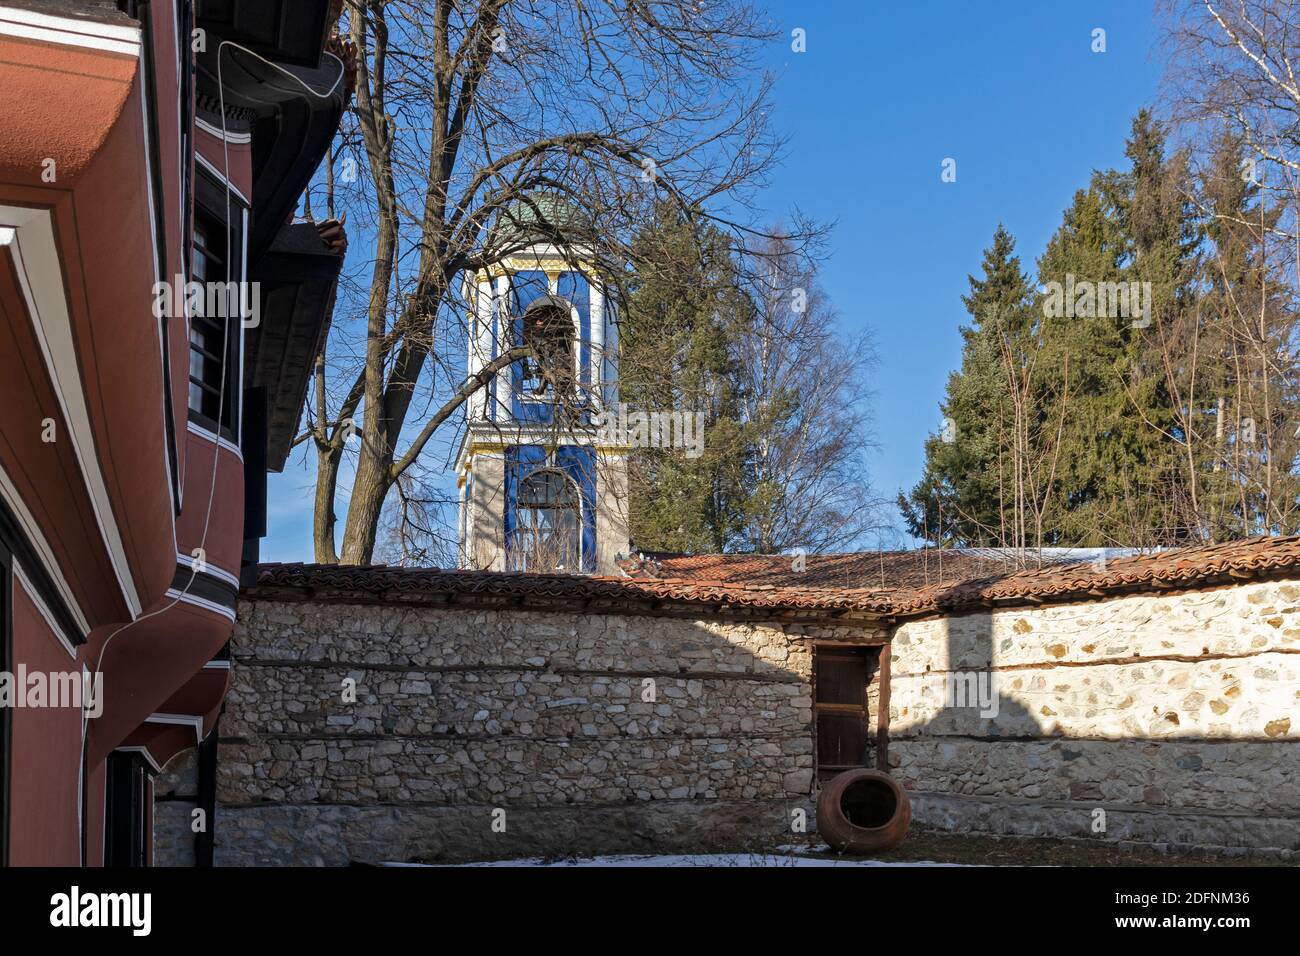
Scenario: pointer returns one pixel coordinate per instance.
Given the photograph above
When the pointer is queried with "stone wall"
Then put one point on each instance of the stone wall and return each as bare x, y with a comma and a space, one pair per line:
1166, 719
364, 732
175, 798
581, 733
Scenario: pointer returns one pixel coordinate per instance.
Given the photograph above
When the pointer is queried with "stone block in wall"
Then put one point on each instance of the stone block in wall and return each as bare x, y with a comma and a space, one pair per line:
517, 771
173, 840
1176, 711
528, 702
413, 637
316, 835
1229, 833
1223, 777
1240, 698
1223, 622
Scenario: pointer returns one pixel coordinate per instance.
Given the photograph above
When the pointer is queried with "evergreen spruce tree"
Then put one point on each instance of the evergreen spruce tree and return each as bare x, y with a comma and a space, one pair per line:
683, 311
963, 496
1087, 249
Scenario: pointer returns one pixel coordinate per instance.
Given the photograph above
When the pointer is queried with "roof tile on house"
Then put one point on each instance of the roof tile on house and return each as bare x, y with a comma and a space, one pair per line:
432, 585
1176, 569
860, 569
835, 585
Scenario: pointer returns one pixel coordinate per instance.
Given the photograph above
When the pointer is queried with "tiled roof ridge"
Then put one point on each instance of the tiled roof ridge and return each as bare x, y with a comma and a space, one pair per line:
1186, 568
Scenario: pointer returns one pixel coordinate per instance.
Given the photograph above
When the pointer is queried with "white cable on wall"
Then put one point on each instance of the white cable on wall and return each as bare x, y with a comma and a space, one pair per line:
212, 484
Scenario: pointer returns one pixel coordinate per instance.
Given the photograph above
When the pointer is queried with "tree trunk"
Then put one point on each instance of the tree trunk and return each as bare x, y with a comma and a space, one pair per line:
327, 479
368, 493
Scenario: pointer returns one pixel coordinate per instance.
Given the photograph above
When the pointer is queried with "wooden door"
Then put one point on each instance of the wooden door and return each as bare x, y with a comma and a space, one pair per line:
841, 708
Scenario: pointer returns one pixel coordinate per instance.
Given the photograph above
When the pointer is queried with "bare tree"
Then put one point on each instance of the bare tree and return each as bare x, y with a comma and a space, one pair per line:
467, 113
1233, 367
1029, 442
806, 397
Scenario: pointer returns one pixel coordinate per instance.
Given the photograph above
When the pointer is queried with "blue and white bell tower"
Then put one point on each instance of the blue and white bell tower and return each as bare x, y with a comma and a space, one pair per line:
538, 492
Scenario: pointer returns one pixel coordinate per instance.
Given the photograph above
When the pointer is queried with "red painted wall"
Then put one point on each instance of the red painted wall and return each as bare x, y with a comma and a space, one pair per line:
96, 782
45, 825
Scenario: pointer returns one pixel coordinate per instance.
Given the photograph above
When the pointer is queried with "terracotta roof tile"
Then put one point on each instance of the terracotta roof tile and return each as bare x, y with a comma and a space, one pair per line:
404, 583
860, 569
834, 584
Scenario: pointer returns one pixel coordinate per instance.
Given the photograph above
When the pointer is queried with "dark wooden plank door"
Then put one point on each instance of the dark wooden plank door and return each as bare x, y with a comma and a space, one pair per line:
841, 709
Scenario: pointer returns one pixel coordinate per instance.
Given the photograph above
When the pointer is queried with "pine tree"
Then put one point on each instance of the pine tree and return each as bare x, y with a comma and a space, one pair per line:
1086, 251
1065, 429
965, 494
683, 313
748, 339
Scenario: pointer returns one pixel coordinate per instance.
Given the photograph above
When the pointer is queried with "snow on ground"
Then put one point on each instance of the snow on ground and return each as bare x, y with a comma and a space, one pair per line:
709, 859
780, 857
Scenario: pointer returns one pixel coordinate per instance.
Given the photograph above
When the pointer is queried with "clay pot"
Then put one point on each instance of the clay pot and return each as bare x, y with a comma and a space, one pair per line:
863, 811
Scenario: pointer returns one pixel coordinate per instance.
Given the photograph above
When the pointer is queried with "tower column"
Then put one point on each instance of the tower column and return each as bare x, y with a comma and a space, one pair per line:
504, 342
596, 301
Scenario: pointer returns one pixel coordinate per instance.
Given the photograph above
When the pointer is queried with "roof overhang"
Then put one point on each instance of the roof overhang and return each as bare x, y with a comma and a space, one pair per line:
295, 101
78, 228
287, 31
297, 279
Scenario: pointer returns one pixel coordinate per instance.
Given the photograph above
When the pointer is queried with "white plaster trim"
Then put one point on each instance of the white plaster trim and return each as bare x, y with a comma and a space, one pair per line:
220, 176
35, 597
33, 533
139, 750
223, 443
30, 240
163, 356
209, 568
243, 327
182, 44
596, 329
503, 408
179, 720
31, 25
227, 136
199, 602
81, 777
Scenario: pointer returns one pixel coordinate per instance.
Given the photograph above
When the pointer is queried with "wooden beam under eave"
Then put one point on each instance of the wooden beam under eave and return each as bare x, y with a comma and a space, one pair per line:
882, 706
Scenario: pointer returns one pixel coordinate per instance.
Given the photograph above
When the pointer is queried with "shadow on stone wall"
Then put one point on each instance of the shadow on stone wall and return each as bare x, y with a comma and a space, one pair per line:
986, 762
482, 735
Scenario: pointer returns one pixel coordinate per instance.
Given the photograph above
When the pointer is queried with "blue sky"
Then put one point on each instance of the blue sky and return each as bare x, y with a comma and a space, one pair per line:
886, 92
883, 95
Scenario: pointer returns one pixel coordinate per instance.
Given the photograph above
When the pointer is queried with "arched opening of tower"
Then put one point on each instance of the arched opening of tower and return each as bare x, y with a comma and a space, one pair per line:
549, 373
548, 516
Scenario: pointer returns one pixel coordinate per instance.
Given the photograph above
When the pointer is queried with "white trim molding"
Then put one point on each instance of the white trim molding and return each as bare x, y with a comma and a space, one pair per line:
199, 602
225, 444
221, 177
229, 137
139, 750
180, 720
187, 560
42, 547
30, 25
29, 236
35, 597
